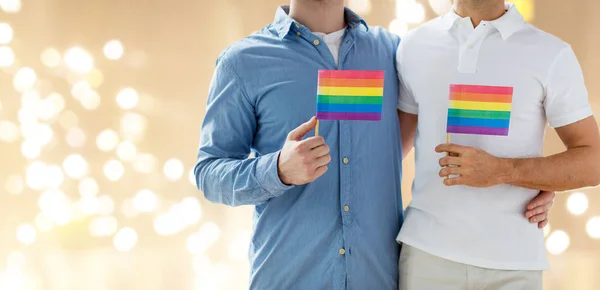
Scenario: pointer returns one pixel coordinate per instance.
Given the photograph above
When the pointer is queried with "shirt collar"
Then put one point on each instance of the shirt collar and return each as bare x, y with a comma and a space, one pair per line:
283, 23
512, 21
509, 23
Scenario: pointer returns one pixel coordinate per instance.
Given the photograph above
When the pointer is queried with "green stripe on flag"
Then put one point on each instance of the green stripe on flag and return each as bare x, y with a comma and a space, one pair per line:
323, 99
460, 113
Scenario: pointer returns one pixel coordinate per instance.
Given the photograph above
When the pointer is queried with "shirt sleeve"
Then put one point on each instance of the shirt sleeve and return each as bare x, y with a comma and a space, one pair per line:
566, 99
406, 99
223, 171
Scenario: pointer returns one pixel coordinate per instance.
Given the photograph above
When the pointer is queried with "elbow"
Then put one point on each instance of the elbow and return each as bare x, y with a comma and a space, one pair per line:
594, 172
201, 183
593, 182
595, 176
198, 176
212, 193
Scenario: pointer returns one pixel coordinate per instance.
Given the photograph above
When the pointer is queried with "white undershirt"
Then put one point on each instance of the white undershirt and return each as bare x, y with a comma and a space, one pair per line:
333, 41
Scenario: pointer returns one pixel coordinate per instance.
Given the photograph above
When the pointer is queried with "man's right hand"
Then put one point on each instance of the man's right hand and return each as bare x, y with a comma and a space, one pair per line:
303, 161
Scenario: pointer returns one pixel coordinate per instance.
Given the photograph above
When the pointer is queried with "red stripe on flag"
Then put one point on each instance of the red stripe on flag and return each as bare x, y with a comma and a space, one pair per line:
357, 83
481, 89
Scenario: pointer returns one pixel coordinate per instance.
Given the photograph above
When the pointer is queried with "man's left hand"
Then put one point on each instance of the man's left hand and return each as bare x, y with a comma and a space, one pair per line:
538, 208
473, 166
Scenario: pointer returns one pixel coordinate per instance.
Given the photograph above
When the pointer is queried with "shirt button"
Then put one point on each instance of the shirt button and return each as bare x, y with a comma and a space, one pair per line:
345, 160
297, 26
316, 42
346, 208
298, 33
342, 251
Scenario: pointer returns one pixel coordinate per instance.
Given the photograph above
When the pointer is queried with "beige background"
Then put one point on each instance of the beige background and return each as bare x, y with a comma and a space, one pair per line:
170, 48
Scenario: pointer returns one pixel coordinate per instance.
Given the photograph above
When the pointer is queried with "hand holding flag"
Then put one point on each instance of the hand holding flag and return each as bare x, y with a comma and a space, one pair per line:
472, 167
303, 161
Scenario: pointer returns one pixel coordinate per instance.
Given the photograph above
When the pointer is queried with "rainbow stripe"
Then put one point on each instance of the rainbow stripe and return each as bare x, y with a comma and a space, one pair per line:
482, 110
350, 95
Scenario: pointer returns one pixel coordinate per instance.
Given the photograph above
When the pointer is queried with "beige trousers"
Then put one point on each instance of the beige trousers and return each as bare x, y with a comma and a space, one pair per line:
422, 271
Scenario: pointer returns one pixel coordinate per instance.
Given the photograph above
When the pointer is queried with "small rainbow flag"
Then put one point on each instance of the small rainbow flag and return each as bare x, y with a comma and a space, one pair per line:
482, 110
350, 95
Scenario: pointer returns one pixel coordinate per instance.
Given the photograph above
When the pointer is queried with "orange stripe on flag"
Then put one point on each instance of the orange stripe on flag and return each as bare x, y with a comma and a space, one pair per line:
369, 83
475, 97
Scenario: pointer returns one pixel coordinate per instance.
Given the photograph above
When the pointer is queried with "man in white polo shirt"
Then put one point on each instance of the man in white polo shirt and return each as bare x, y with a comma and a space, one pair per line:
495, 81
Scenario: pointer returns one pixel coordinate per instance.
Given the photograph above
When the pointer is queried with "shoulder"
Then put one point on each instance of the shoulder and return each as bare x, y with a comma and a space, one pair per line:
415, 41
381, 35
238, 54
541, 42
422, 34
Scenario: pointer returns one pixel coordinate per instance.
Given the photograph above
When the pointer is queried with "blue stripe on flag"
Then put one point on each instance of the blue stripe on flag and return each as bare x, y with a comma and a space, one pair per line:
477, 122
351, 108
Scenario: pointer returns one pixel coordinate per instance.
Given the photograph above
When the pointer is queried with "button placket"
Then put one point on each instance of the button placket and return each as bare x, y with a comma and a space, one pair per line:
346, 173
469, 50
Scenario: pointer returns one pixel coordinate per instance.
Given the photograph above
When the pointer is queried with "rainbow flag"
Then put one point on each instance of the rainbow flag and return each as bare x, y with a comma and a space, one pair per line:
482, 110
350, 95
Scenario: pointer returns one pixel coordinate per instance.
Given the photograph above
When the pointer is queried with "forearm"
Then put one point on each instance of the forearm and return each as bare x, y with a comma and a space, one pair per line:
408, 127
572, 169
407, 145
236, 182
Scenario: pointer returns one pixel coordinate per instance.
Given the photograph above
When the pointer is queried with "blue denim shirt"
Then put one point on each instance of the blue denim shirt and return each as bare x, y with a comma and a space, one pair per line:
339, 231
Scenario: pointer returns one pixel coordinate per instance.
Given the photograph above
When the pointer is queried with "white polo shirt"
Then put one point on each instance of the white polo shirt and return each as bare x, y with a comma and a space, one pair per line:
483, 227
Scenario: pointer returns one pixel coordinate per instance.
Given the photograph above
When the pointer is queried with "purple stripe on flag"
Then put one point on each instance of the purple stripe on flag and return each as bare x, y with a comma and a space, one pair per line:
477, 130
349, 116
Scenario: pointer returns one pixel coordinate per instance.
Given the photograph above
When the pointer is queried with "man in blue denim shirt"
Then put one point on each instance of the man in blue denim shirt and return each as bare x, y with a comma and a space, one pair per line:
338, 231
327, 209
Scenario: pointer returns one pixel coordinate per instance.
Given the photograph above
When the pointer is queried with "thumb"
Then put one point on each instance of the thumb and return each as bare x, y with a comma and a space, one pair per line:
301, 130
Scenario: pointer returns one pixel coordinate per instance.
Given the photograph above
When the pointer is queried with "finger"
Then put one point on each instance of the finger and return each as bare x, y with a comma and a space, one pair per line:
543, 198
543, 224
454, 181
312, 143
446, 171
449, 160
451, 148
320, 171
319, 151
323, 160
301, 130
538, 218
537, 201
544, 208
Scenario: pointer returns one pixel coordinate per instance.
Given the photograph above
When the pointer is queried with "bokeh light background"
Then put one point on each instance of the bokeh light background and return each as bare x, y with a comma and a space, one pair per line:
101, 103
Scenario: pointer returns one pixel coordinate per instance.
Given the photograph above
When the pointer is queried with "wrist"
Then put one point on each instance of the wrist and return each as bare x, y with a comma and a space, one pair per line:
267, 174
280, 173
506, 171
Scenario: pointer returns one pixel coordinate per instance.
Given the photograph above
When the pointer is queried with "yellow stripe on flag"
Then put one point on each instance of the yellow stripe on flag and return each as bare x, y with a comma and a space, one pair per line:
350, 91
487, 106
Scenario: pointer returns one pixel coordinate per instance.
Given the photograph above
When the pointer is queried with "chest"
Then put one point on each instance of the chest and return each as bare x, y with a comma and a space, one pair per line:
481, 65
287, 91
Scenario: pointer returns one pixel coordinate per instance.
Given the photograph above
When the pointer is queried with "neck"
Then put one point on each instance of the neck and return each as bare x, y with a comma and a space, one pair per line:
324, 16
479, 10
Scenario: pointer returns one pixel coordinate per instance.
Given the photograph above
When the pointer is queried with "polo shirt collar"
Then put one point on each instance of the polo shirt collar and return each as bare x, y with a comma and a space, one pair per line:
449, 19
283, 23
512, 21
